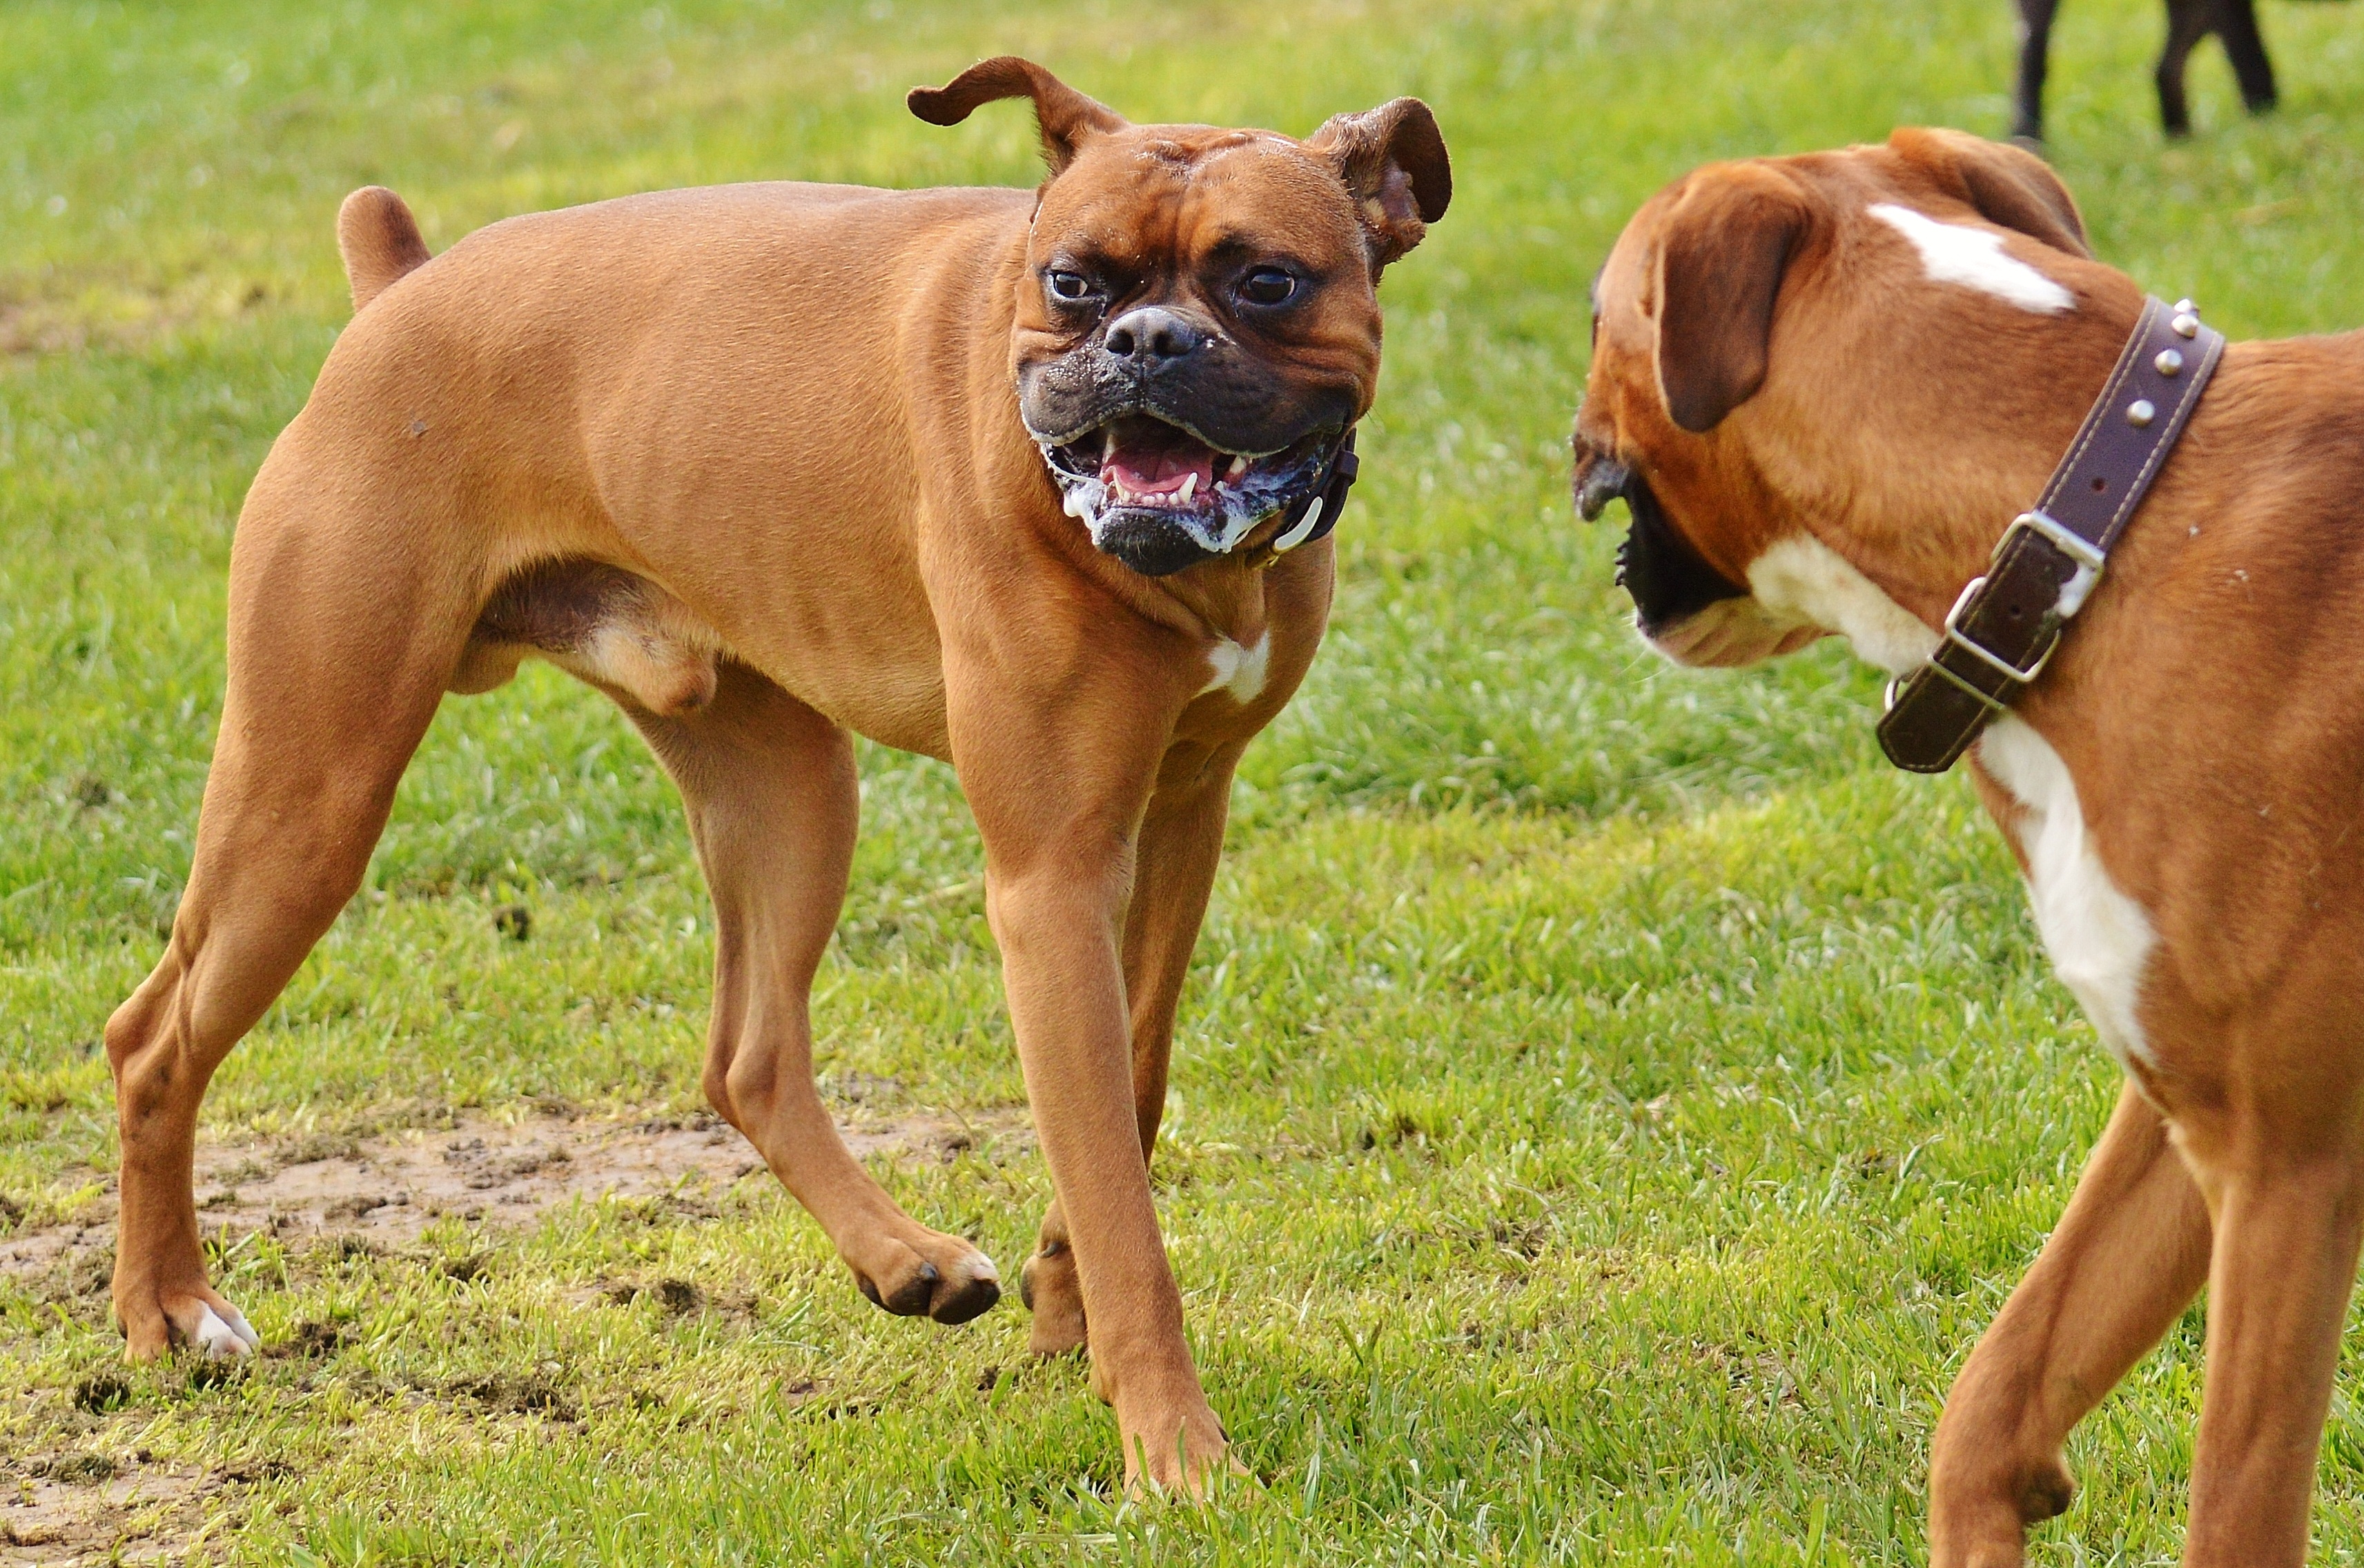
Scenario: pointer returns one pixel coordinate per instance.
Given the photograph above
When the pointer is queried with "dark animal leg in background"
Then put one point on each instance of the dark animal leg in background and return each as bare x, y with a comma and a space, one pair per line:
2236, 25
2034, 45
2188, 21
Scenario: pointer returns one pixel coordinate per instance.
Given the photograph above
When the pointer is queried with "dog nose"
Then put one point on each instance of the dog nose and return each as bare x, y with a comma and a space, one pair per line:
1152, 335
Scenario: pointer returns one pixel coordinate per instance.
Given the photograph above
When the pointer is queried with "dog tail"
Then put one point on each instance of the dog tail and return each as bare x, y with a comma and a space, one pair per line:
380, 242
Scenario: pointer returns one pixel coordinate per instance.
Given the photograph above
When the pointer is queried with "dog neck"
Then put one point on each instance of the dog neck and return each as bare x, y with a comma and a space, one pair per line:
1927, 476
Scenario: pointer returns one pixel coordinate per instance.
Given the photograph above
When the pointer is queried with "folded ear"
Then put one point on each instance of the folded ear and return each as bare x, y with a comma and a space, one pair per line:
2009, 186
1392, 159
1722, 252
1064, 116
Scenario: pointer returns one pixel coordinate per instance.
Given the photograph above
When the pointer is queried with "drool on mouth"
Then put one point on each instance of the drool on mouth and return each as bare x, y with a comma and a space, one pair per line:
1139, 469
1144, 462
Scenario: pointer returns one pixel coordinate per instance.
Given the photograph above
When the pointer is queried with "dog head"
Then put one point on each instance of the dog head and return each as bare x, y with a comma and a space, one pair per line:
1198, 327
1800, 364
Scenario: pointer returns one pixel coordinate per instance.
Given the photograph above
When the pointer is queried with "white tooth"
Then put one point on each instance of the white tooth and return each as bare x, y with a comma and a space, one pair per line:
1189, 486
1295, 536
1239, 466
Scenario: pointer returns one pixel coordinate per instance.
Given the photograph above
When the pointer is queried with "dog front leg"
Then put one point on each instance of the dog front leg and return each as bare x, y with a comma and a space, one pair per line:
2034, 58
1058, 784
1178, 848
2287, 1231
2127, 1256
2188, 21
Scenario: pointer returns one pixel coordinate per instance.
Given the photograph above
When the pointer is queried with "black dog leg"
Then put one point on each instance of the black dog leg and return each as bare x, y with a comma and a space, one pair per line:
2034, 47
2237, 24
2188, 21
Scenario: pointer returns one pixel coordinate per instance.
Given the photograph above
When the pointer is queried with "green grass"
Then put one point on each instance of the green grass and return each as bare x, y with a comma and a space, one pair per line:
1608, 1102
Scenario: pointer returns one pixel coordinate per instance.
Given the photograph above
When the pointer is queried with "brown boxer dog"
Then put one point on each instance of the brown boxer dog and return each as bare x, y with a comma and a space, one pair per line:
1825, 385
986, 474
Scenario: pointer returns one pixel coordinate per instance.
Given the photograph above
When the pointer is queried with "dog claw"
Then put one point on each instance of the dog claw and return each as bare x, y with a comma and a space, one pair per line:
225, 1338
970, 1298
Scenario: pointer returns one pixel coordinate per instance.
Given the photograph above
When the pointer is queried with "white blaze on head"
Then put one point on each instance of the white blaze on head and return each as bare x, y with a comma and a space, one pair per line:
1958, 253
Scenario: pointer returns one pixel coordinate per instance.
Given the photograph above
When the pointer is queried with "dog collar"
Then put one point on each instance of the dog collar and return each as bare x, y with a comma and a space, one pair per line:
1314, 517
2007, 624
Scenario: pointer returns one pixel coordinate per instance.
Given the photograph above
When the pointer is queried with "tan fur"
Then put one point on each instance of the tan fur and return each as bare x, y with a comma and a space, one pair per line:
750, 460
2210, 711
379, 240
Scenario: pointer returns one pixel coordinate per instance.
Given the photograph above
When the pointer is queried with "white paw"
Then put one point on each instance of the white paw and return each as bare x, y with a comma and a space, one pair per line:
226, 1339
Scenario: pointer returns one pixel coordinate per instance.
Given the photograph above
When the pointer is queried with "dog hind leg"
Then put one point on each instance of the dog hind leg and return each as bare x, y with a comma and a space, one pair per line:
2128, 1255
773, 802
339, 646
2236, 28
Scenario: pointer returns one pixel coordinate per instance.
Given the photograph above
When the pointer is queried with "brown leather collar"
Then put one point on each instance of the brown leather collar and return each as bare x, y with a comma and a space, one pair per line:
2005, 628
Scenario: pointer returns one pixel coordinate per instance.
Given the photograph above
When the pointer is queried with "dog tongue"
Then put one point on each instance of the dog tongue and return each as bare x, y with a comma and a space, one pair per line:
1159, 468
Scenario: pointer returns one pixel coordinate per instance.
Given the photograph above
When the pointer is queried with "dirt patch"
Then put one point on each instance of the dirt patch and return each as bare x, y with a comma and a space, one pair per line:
385, 1188
88, 1509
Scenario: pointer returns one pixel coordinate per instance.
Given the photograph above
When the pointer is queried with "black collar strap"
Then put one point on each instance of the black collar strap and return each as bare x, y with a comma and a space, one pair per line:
2005, 628
1314, 517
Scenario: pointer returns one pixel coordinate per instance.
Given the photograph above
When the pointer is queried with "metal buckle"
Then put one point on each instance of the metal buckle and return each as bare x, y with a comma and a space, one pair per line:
2073, 545
1985, 656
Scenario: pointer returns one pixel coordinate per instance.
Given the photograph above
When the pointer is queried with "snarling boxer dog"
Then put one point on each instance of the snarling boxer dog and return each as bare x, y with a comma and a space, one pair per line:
1036, 481
1887, 392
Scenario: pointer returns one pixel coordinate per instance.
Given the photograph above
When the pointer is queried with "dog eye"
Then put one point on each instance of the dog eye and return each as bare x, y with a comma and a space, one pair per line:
1070, 286
1267, 285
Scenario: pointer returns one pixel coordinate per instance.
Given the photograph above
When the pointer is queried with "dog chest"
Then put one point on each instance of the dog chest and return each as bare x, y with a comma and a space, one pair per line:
2098, 938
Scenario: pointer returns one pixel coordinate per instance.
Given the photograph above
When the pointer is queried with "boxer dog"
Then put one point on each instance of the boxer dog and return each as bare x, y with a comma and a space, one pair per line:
1824, 384
987, 474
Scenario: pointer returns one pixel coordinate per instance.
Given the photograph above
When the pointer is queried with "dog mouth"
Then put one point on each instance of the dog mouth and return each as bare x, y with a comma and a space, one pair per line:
1160, 497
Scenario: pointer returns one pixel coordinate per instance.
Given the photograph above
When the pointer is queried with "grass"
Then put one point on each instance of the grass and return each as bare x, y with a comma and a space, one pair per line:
1608, 1102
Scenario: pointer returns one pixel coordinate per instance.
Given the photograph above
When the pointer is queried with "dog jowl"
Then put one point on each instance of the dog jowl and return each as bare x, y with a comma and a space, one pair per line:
1827, 386
1007, 477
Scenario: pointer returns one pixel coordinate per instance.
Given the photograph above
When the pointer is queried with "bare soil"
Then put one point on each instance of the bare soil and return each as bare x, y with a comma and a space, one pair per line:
387, 1187
82, 1506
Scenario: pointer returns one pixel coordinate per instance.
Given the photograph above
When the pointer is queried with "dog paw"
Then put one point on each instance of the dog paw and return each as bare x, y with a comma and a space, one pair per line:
1052, 1293
944, 1278
206, 1323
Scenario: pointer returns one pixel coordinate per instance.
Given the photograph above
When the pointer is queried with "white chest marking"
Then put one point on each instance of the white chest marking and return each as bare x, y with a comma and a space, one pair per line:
1803, 579
2099, 938
1956, 253
1238, 670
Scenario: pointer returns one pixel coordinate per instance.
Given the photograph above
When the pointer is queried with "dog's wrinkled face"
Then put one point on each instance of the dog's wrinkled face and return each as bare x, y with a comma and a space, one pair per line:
1198, 327
1767, 338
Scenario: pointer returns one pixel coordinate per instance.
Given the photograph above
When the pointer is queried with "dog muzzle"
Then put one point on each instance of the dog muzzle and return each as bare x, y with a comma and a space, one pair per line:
1159, 499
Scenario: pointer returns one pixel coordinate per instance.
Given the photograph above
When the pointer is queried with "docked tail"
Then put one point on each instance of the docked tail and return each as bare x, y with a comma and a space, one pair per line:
380, 242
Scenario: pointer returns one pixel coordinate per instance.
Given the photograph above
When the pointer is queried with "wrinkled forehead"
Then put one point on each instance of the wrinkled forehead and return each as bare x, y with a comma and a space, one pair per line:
1622, 289
1187, 190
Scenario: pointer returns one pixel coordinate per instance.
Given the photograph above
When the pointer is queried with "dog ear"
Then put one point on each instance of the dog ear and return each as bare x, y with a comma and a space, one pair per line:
1393, 162
1724, 248
2009, 186
1063, 115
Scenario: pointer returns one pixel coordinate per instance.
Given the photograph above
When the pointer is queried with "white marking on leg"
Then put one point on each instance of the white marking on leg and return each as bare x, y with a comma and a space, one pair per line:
1239, 670
1805, 582
1958, 253
223, 1341
2099, 939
